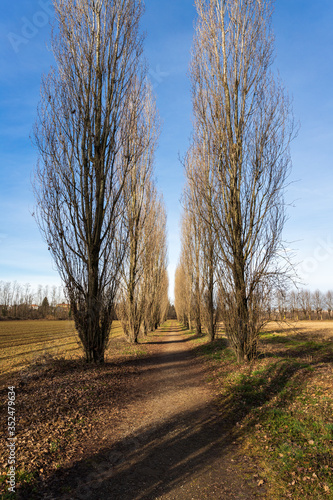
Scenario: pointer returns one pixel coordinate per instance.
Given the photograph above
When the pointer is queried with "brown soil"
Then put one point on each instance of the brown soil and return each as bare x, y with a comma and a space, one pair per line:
167, 439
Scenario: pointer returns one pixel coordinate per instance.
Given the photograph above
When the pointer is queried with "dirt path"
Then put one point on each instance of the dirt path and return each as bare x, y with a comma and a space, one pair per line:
170, 441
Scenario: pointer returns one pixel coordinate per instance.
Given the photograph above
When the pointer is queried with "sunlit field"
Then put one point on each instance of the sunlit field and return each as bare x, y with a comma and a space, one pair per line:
23, 342
316, 328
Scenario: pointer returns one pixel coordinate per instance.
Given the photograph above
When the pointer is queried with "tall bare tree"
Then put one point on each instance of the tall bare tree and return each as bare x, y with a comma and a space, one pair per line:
329, 302
243, 113
156, 283
189, 273
185, 275
181, 295
192, 235
294, 304
318, 302
305, 303
139, 193
195, 249
83, 133
198, 192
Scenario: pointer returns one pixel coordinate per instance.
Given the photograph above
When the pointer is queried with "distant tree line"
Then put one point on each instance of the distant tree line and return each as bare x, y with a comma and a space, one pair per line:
302, 304
294, 305
19, 301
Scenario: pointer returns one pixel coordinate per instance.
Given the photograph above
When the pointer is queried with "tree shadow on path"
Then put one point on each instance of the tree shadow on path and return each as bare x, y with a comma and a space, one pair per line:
159, 459
190, 455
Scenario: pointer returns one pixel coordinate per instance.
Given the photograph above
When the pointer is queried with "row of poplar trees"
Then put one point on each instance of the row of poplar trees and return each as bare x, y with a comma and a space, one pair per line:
236, 168
97, 206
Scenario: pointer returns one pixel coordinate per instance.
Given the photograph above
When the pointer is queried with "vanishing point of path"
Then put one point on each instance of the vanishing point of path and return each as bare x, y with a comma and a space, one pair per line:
171, 441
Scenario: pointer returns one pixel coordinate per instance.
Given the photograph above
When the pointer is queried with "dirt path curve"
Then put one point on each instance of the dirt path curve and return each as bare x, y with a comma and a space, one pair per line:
170, 442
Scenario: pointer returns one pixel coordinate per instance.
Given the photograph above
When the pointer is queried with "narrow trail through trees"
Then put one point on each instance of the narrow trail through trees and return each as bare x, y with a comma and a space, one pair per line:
172, 441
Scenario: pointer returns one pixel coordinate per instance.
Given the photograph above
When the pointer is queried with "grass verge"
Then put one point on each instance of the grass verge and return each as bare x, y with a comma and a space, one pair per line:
280, 408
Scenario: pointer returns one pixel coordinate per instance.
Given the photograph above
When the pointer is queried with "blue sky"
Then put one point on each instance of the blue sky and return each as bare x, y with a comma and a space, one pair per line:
304, 58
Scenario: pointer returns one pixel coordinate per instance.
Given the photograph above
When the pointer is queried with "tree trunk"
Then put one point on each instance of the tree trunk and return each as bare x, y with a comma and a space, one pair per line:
211, 322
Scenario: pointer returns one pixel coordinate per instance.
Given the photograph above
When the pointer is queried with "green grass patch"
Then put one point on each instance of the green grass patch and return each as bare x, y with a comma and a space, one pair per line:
288, 427
136, 350
217, 350
54, 446
25, 481
296, 450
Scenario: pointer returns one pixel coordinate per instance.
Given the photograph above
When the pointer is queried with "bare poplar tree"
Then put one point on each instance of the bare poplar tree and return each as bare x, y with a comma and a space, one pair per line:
294, 304
317, 301
83, 135
196, 230
164, 297
305, 303
188, 279
156, 282
198, 191
191, 248
181, 299
139, 194
209, 301
184, 290
243, 114
5, 297
329, 302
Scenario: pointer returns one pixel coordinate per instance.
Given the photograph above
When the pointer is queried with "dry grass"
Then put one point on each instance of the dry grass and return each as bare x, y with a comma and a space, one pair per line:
313, 329
283, 402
